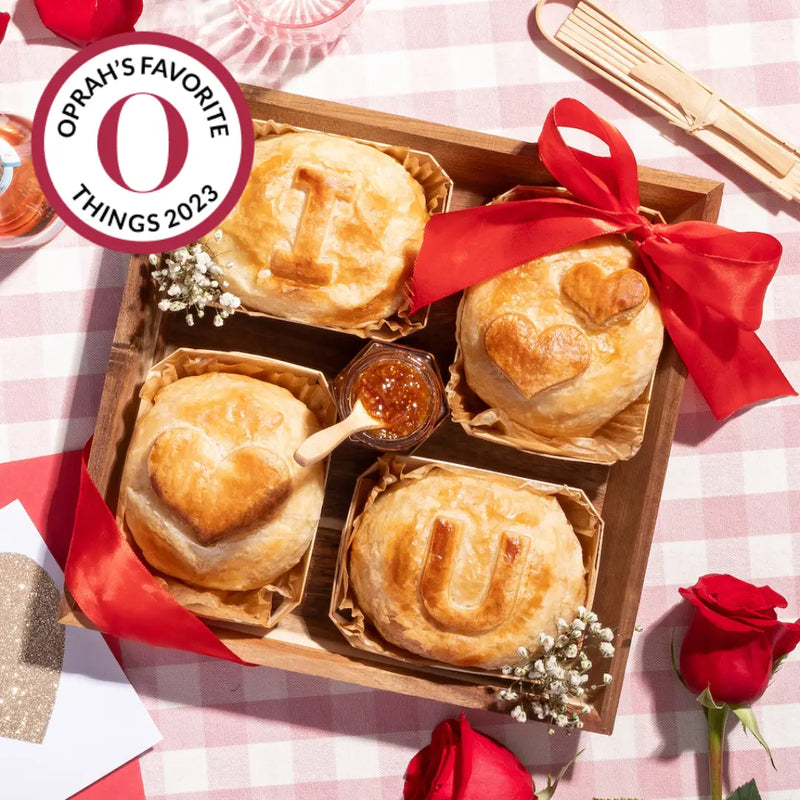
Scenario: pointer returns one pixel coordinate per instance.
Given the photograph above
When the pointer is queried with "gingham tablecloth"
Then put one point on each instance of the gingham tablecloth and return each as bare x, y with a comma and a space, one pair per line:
732, 496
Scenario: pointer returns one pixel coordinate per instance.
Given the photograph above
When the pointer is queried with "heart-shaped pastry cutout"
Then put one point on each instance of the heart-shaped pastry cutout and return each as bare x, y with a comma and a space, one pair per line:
31, 648
535, 361
604, 297
217, 493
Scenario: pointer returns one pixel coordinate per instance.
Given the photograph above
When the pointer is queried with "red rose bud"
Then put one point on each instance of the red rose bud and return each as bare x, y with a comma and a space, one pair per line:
462, 764
5, 18
734, 639
84, 21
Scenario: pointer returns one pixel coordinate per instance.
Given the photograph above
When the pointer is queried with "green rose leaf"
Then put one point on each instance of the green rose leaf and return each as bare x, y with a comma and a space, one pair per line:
747, 792
547, 793
749, 723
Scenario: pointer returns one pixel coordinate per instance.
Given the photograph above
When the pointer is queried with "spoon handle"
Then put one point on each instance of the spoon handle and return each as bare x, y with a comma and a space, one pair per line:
322, 443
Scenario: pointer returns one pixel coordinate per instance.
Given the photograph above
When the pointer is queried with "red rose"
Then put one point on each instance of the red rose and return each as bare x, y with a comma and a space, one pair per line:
5, 18
84, 21
734, 638
461, 764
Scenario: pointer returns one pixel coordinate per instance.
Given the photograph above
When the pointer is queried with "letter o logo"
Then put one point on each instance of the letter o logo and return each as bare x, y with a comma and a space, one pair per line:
108, 138
66, 128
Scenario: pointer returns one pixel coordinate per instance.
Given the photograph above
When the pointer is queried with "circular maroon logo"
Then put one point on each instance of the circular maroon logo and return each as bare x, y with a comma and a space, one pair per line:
143, 142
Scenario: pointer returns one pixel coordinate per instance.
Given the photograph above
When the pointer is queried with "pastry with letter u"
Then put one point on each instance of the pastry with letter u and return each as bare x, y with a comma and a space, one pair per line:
326, 231
463, 568
563, 343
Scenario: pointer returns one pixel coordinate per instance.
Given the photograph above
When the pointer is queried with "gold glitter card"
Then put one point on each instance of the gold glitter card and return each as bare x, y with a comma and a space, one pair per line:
31, 648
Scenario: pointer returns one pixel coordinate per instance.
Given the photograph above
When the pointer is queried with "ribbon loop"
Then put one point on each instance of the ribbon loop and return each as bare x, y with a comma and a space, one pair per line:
710, 280
607, 182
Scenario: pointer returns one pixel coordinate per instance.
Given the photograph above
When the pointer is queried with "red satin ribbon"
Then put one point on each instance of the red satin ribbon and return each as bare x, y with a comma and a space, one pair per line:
117, 592
710, 280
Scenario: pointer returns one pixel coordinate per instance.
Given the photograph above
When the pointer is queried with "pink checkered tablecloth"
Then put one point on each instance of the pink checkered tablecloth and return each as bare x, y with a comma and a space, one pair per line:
732, 496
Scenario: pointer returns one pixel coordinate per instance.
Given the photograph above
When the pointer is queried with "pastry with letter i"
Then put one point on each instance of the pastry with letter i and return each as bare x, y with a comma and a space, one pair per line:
564, 343
211, 493
326, 231
463, 568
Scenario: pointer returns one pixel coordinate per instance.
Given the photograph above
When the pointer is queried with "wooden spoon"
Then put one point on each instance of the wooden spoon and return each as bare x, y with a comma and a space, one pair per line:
322, 443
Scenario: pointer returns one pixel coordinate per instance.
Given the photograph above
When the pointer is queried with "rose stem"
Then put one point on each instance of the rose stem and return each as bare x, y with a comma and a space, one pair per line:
717, 719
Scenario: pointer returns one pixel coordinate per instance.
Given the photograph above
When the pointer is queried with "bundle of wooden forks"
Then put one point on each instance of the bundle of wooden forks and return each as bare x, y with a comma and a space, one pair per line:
604, 44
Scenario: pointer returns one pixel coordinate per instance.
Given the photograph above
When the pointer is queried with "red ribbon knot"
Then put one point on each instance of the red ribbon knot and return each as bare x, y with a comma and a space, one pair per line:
643, 230
710, 280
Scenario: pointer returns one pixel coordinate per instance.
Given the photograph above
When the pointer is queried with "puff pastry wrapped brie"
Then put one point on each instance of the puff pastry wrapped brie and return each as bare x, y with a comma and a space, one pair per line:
564, 343
212, 494
465, 569
326, 231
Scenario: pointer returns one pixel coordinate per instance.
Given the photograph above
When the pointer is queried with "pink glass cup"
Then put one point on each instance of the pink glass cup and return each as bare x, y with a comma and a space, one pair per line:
300, 22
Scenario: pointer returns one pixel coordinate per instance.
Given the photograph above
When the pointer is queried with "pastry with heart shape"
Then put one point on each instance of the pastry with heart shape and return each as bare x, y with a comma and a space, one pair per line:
212, 495
562, 344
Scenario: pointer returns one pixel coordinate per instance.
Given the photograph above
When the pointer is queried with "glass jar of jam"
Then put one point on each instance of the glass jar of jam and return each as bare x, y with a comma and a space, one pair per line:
398, 385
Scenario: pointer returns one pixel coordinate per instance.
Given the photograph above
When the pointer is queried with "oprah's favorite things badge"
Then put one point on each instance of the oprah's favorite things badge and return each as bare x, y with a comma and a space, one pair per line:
143, 142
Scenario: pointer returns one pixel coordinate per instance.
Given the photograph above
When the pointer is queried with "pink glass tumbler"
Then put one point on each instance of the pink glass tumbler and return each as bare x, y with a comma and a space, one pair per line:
300, 22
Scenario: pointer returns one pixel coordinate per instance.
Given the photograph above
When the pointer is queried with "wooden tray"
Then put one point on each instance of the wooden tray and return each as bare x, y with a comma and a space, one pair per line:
627, 494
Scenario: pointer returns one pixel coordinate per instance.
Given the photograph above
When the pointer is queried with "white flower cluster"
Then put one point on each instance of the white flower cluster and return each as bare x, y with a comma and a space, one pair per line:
552, 683
190, 279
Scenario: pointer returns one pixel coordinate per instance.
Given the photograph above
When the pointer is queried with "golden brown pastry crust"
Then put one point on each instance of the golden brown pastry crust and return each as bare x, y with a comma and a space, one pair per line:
603, 298
326, 231
563, 343
465, 569
212, 494
535, 361
214, 497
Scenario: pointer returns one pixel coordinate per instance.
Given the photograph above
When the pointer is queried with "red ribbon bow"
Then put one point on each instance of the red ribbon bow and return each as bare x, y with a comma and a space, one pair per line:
710, 280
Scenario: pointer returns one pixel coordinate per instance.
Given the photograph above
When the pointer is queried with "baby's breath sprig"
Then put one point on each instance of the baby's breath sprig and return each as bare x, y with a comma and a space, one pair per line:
551, 683
191, 280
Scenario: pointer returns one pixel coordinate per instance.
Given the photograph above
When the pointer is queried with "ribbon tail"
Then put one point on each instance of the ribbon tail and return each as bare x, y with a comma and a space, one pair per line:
117, 592
731, 366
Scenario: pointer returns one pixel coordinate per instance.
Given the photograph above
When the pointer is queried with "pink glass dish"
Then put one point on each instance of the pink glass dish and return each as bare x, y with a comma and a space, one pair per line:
300, 22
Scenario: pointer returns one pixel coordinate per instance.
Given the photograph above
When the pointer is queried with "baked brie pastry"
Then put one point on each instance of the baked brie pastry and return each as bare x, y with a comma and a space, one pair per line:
211, 493
326, 231
564, 343
464, 569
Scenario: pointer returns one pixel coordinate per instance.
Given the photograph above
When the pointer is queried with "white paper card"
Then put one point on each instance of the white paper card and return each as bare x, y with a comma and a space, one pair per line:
98, 722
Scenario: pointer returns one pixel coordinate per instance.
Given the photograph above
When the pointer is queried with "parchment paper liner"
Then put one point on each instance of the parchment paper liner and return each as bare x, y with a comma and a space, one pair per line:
263, 607
388, 470
618, 440
438, 188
